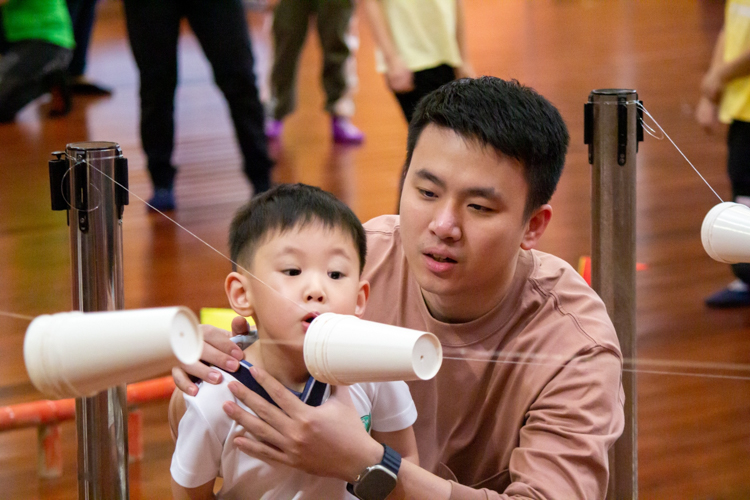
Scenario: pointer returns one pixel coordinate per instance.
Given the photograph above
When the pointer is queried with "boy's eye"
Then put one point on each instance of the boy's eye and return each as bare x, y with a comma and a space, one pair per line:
426, 193
336, 275
292, 272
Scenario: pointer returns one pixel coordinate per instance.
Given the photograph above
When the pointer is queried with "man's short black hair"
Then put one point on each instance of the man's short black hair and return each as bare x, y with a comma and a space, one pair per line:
513, 119
290, 206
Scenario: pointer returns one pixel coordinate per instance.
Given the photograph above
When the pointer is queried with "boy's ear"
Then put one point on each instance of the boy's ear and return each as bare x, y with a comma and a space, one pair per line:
362, 295
535, 226
239, 294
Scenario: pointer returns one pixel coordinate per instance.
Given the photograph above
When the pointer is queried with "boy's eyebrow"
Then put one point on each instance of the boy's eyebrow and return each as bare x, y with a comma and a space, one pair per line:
480, 192
292, 249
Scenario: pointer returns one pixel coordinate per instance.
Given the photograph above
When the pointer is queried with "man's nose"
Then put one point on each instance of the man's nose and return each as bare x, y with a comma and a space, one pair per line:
446, 224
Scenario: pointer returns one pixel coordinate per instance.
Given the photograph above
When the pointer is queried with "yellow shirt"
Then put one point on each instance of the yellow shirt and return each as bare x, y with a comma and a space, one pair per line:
735, 103
424, 32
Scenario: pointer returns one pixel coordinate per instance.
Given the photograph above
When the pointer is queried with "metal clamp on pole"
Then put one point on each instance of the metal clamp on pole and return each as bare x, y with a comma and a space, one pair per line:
612, 131
81, 181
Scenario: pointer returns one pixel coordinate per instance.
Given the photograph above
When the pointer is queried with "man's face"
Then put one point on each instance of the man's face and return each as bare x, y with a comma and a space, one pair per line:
462, 223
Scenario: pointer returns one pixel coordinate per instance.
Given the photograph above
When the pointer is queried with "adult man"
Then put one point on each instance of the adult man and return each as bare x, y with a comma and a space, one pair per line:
528, 400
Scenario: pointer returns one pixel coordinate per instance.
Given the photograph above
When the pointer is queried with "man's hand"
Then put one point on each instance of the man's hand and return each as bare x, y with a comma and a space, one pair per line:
218, 350
329, 440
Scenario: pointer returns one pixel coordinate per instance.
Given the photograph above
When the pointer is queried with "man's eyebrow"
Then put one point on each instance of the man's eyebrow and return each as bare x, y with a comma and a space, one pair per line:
429, 176
488, 193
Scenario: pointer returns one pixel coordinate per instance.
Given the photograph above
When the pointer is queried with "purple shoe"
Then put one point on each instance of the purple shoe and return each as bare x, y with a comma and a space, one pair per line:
344, 132
273, 129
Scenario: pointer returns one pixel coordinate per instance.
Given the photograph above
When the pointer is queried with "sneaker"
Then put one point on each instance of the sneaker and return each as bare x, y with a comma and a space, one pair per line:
273, 129
163, 200
736, 294
344, 131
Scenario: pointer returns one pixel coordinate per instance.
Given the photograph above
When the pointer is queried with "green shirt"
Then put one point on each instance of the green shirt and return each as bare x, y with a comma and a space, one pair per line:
46, 20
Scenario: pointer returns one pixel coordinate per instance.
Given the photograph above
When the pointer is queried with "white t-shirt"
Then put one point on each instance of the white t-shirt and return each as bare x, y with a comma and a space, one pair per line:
205, 448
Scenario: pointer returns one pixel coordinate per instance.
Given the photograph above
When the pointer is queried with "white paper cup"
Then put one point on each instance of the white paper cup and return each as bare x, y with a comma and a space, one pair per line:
77, 354
342, 350
726, 233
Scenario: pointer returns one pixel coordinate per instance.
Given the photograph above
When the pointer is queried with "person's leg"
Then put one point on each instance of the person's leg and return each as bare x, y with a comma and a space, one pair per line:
28, 69
425, 81
738, 166
153, 29
82, 14
339, 41
222, 31
290, 20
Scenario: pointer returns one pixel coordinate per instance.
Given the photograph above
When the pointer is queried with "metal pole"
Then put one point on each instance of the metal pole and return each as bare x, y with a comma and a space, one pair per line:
95, 205
612, 132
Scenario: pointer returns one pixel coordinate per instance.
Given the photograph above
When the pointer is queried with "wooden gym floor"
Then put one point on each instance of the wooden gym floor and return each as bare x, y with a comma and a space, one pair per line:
694, 430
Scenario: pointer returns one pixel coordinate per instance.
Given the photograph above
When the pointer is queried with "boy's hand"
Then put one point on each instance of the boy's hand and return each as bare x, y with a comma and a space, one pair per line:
218, 350
329, 440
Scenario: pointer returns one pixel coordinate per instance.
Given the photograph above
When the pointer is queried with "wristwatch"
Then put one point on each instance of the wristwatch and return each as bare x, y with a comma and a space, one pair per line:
377, 482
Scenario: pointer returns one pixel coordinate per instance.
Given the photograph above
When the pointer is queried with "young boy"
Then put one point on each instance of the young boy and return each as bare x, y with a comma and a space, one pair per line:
305, 250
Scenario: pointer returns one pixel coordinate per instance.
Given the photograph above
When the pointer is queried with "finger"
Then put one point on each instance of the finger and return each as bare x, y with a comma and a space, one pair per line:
218, 350
240, 326
203, 372
261, 451
256, 426
182, 381
283, 397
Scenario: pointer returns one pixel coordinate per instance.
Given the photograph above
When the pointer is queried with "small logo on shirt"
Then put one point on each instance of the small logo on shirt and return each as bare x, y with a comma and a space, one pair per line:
367, 421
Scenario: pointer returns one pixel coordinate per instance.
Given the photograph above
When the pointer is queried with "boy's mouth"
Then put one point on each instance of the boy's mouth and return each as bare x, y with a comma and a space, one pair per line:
308, 319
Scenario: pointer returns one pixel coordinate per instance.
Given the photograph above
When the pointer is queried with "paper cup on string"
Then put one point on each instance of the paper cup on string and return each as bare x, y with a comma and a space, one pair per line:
341, 350
78, 354
726, 233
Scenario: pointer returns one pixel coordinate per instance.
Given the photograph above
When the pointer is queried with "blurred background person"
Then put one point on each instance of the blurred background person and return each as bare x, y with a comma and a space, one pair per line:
36, 42
421, 46
339, 42
222, 31
725, 98
82, 14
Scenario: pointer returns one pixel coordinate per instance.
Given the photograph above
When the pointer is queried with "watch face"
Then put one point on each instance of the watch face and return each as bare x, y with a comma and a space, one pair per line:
376, 484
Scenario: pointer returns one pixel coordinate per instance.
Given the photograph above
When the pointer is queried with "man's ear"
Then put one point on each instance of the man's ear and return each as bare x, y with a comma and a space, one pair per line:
239, 294
535, 226
362, 296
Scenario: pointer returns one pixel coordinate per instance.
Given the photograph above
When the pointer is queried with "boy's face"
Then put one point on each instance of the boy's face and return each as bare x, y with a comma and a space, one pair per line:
305, 272
462, 223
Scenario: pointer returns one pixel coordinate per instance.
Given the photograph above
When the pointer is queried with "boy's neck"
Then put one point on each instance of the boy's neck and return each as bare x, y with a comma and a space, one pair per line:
282, 366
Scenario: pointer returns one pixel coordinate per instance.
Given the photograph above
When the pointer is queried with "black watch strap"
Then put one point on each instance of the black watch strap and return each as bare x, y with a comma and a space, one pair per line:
391, 459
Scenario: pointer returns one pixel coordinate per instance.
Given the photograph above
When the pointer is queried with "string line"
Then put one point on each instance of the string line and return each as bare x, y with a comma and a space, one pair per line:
300, 306
659, 367
653, 133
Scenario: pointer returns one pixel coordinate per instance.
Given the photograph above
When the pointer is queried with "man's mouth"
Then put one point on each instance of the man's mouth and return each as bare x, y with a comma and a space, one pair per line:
441, 258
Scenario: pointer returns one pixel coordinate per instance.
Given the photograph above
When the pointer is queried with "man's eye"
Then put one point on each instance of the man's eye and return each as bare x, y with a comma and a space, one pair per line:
426, 193
335, 275
292, 272
479, 208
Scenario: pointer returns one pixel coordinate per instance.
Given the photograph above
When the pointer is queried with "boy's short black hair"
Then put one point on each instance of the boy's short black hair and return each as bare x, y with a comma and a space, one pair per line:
511, 118
289, 206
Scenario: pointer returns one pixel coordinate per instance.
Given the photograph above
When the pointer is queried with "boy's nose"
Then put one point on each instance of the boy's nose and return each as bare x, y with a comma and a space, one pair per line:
314, 292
